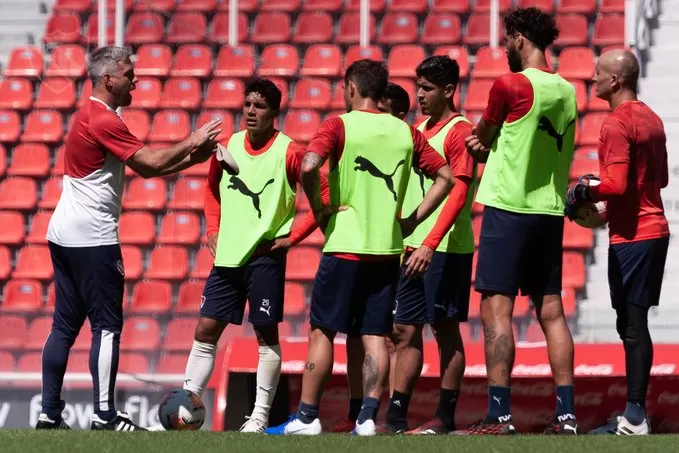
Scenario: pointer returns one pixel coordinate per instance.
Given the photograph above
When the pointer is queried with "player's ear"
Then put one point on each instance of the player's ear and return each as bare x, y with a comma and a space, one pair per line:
449, 91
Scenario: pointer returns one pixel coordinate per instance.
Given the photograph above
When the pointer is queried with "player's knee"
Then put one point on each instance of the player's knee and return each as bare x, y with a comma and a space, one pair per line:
404, 335
317, 333
267, 335
549, 309
621, 325
208, 330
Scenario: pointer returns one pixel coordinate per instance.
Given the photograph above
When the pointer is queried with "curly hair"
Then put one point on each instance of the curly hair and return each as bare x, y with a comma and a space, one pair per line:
267, 89
538, 27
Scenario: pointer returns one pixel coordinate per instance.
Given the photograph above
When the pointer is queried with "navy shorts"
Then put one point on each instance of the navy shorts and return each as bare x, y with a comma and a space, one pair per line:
443, 291
261, 282
355, 297
635, 272
519, 252
89, 282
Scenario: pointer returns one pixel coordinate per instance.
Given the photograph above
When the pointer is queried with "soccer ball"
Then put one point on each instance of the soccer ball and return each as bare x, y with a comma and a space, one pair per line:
592, 215
181, 410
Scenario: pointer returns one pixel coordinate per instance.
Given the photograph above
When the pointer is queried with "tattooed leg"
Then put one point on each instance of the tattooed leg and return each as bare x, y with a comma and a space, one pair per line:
375, 365
318, 364
496, 317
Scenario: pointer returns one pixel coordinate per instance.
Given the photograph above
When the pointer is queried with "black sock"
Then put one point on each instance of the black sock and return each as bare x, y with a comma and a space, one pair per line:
307, 413
638, 360
446, 409
354, 408
397, 414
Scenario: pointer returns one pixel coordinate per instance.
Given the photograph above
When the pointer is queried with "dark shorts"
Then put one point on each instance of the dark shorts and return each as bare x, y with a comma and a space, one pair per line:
519, 252
89, 283
261, 282
635, 271
442, 293
355, 297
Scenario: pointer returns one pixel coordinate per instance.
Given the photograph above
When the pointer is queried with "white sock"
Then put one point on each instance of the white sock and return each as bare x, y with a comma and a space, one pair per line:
268, 372
199, 366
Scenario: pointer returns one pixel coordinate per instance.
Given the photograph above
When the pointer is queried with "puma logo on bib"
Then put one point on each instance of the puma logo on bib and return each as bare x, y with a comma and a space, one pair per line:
547, 126
239, 185
363, 164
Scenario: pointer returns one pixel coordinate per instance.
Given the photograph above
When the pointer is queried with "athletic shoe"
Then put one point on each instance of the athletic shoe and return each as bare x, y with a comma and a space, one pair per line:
253, 425
487, 426
567, 427
389, 430
433, 426
44, 422
157, 427
346, 425
367, 428
121, 422
295, 426
622, 427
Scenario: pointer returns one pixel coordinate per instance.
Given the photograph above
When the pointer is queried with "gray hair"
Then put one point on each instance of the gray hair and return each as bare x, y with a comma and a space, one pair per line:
105, 61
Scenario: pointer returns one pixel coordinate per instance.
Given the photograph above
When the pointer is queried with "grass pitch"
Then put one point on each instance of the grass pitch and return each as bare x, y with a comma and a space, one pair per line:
24, 441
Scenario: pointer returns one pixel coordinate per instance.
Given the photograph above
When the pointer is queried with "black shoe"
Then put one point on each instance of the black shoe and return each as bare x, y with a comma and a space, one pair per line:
564, 426
44, 422
121, 422
488, 426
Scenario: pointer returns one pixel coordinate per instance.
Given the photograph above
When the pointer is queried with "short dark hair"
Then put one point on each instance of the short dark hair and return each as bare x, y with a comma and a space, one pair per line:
267, 89
441, 70
400, 101
371, 78
538, 27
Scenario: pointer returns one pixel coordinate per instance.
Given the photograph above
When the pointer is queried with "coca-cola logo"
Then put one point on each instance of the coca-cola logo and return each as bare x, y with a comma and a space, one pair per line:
602, 369
589, 399
668, 399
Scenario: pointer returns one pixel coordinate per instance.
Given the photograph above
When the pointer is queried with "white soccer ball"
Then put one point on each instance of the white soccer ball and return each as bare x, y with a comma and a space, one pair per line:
592, 215
181, 410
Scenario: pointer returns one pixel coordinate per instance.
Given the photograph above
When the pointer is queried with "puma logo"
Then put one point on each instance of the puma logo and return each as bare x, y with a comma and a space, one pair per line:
420, 175
498, 399
547, 126
363, 164
239, 185
265, 310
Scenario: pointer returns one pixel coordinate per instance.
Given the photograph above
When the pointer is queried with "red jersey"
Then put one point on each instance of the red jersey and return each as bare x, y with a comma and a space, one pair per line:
510, 98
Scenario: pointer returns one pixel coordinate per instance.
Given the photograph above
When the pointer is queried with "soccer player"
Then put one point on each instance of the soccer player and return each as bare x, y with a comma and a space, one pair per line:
527, 136
633, 170
250, 228
370, 158
395, 101
83, 234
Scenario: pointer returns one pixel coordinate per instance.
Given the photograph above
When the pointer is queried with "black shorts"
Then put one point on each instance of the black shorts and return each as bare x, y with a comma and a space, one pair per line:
443, 291
261, 282
519, 252
354, 297
635, 272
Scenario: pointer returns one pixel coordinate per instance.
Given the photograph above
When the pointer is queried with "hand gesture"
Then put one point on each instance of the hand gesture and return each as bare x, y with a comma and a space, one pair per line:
419, 262
212, 244
474, 147
282, 243
207, 133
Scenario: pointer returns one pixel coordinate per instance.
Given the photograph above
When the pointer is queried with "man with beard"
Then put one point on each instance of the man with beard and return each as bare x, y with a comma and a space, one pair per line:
526, 136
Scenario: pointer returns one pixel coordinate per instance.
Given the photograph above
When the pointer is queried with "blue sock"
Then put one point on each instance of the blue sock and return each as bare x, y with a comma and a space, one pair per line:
354, 408
635, 413
498, 402
565, 401
307, 413
54, 359
368, 410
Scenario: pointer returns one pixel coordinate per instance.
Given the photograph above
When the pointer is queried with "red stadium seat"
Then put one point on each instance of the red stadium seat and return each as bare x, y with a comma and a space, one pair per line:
302, 263
151, 297
301, 125
22, 296
79, 6
376, 6
490, 63
171, 364
153, 60
38, 332
170, 126
576, 63
288, 6
612, 6
574, 270
236, 61
144, 28
13, 226
86, 91
179, 334
609, 30
574, 30
569, 302
450, 6
186, 27
67, 61
43, 126
200, 170
162, 6
282, 85
591, 126
33, 262
24, 62
30, 159
168, 263
458, 54
192, 60
188, 194
30, 362
594, 104
219, 32
133, 262
16, 93
337, 101
5, 263
56, 93
181, 93
403, 59
92, 36
576, 237
39, 224
280, 60
146, 95
227, 123
483, 6
63, 28
295, 301
580, 94
133, 363
203, 263
145, 194
203, 6
477, 94
51, 191
585, 160
140, 334
10, 129
331, 6
179, 228
323, 60
138, 122
7, 362
312, 94
546, 6
127, 5
18, 193
12, 332
577, 6
190, 294
478, 30
409, 6
441, 28
313, 28
356, 52
271, 27
348, 31
137, 228
224, 93
3, 156
398, 28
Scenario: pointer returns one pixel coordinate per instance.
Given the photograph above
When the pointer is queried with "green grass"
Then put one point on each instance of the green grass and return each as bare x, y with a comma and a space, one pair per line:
20, 441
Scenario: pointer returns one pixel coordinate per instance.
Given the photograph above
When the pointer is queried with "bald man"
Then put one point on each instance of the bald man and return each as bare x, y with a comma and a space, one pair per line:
633, 170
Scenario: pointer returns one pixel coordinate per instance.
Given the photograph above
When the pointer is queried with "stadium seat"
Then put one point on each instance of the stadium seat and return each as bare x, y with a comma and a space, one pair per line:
271, 28
477, 94
459, 54
227, 125
609, 30
450, 6
153, 60
181, 93
78, 6
409, 86
403, 59
16, 93
348, 31
38, 331
576, 237
146, 95
280, 60
171, 364
151, 297
12, 332
612, 6
202, 265
576, 63
288, 6
219, 29
133, 363
30, 362
295, 301
580, 95
192, 60
62, 28
478, 30
51, 191
137, 228
409, 6
324, 60
5, 263
33, 262
301, 125
7, 362
39, 223
224, 93
146, 194
188, 194
56, 93
313, 28
337, 102
43, 126
483, 6
91, 38
168, 263
282, 85
179, 334
398, 28
179, 228
138, 122
376, 6
574, 270
441, 28
577, 6
200, 170
311, 94
585, 160
67, 61
236, 61
190, 294
590, 128
546, 6
21, 296
86, 91
569, 302
573, 30
127, 5
10, 129
203, 6
140, 334
3, 157
144, 28
331, 6
24, 62
302, 263
594, 104
356, 52
132, 262
170, 126
186, 28
51, 298
162, 6
13, 226
18, 193
490, 63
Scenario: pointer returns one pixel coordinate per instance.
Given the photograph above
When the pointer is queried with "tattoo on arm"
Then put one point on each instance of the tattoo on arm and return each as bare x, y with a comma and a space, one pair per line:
310, 179
370, 374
